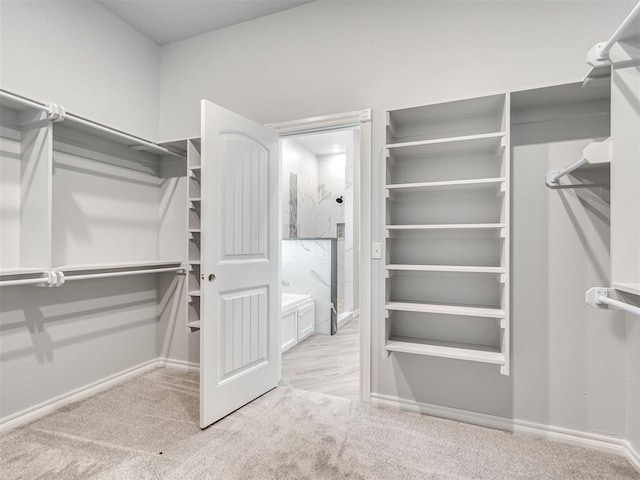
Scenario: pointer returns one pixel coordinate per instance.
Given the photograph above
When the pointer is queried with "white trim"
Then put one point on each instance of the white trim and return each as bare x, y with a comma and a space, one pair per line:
564, 435
632, 455
361, 118
324, 122
32, 413
345, 320
356, 313
180, 365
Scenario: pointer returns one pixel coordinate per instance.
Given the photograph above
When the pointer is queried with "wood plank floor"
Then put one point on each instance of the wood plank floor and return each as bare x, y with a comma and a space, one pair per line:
326, 364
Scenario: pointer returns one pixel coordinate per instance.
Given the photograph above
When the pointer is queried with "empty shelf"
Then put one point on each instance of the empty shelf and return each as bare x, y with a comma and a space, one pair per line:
633, 288
195, 199
445, 226
445, 309
194, 293
449, 185
195, 167
434, 348
487, 142
194, 262
195, 230
444, 268
194, 325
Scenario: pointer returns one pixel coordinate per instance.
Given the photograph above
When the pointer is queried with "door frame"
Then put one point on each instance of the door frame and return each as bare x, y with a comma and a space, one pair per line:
361, 119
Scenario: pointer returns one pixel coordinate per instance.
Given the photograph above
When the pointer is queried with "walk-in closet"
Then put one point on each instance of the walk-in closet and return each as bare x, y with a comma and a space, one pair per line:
313, 239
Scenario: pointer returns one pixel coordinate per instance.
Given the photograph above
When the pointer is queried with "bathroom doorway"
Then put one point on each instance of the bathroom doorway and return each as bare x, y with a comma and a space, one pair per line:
320, 334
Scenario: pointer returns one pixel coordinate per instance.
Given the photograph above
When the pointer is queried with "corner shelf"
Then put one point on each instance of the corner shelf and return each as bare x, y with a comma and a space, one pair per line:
193, 285
195, 325
453, 350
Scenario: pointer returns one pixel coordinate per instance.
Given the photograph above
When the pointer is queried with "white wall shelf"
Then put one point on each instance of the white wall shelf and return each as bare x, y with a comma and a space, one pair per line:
195, 325
445, 309
452, 350
444, 268
447, 200
490, 142
446, 185
633, 288
21, 271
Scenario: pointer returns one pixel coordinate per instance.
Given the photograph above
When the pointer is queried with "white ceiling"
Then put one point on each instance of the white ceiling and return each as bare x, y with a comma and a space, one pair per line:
166, 21
326, 143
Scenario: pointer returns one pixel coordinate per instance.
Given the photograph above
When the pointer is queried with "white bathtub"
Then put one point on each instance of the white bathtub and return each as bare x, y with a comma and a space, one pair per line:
293, 299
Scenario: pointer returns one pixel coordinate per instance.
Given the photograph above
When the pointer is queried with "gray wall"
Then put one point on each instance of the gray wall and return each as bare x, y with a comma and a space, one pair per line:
568, 361
78, 54
53, 341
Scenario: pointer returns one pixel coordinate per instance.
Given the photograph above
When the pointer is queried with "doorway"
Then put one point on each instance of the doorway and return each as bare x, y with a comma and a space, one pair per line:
320, 266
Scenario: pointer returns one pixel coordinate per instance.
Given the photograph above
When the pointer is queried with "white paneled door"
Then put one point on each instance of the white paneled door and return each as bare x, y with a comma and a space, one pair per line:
239, 345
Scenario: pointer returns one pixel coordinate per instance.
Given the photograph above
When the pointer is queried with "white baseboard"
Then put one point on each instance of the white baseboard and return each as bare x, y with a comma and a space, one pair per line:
558, 434
345, 320
29, 414
632, 455
178, 365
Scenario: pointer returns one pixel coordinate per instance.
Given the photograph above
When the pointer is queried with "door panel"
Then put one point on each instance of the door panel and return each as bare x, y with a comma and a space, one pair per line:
239, 347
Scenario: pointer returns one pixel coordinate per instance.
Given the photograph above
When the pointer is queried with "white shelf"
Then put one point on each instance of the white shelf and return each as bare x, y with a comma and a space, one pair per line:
444, 268
118, 266
486, 142
454, 350
633, 288
194, 262
194, 325
445, 309
448, 185
195, 230
195, 199
194, 293
195, 167
445, 226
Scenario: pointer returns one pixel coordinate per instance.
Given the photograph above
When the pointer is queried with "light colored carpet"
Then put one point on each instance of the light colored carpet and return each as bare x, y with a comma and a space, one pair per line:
146, 429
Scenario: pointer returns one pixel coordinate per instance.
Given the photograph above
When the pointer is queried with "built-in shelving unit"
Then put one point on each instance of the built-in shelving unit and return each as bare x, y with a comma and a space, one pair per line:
447, 231
194, 256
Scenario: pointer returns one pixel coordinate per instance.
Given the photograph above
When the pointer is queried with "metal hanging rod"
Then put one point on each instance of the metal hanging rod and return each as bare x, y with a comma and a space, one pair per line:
605, 48
24, 281
58, 114
91, 276
555, 176
602, 299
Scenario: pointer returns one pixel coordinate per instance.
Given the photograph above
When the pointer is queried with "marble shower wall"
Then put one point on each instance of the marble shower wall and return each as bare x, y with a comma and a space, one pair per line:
331, 185
300, 173
307, 269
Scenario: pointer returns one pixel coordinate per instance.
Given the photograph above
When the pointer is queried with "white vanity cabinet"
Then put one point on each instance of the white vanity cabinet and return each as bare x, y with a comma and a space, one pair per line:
298, 322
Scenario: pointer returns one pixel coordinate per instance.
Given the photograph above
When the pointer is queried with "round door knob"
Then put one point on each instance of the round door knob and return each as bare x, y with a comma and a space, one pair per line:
212, 277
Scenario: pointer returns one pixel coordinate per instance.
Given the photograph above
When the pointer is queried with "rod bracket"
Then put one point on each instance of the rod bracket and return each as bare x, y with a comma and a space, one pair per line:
52, 280
56, 113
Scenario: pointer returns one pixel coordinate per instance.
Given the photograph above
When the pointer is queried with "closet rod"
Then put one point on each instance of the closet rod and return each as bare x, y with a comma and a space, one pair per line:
556, 175
117, 133
604, 49
24, 101
49, 107
618, 304
24, 281
125, 273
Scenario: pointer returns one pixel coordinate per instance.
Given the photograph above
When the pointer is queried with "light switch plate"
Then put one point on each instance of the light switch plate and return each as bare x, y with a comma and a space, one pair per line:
376, 250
